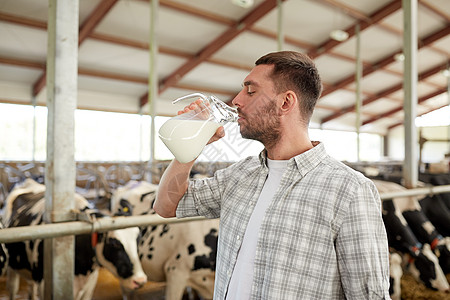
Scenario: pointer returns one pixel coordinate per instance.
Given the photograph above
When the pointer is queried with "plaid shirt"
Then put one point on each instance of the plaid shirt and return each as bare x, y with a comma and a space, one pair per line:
322, 236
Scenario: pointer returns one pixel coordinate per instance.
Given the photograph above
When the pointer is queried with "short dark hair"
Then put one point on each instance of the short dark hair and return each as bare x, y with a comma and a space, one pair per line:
297, 72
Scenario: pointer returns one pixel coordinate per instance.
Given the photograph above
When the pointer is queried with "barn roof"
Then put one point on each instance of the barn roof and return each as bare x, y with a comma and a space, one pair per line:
210, 45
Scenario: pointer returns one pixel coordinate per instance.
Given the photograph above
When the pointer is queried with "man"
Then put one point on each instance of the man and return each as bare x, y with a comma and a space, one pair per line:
294, 222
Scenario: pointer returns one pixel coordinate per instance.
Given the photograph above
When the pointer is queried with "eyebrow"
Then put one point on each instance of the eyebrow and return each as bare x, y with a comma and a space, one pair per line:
249, 82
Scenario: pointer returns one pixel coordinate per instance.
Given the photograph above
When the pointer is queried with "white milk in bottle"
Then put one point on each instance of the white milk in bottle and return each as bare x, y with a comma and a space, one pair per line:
186, 138
187, 134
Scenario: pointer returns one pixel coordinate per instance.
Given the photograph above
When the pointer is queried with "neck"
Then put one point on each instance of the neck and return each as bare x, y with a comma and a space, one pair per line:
291, 143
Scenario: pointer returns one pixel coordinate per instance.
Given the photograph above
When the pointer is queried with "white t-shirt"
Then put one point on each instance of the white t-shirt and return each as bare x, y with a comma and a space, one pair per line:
242, 278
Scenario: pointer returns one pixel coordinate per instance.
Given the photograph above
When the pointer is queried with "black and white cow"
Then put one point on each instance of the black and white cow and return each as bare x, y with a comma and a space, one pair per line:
4, 257
437, 212
424, 228
115, 250
437, 207
183, 255
420, 260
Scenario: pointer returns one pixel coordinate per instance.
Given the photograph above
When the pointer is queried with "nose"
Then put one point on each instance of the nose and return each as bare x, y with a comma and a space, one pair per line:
236, 100
139, 282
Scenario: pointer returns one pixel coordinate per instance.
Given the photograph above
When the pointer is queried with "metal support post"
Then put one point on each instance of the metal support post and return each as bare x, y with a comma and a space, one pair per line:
448, 98
153, 85
280, 31
358, 91
410, 165
62, 65
33, 102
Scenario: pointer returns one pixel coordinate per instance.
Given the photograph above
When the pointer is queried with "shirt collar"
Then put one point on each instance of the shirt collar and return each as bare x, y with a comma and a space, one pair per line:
305, 161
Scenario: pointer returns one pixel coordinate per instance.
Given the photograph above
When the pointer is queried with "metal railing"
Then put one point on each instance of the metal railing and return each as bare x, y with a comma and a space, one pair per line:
15, 234
42, 231
431, 190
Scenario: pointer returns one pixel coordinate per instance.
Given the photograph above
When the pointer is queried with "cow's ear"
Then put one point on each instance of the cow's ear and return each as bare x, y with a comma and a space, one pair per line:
89, 214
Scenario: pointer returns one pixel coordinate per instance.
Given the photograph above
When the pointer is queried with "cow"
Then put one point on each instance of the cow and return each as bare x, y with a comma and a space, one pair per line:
183, 255
426, 233
115, 250
424, 229
437, 212
442, 251
4, 257
395, 275
420, 260
415, 213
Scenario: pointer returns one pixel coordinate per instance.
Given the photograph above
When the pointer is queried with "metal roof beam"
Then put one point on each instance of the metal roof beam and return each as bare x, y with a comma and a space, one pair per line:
380, 64
376, 17
422, 99
245, 23
175, 52
85, 29
23, 21
400, 108
388, 91
113, 76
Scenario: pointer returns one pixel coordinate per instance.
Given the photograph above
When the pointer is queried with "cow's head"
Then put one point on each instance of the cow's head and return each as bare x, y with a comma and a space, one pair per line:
442, 251
117, 251
135, 198
425, 268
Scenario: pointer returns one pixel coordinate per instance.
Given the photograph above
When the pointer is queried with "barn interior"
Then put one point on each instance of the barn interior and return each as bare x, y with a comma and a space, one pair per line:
384, 64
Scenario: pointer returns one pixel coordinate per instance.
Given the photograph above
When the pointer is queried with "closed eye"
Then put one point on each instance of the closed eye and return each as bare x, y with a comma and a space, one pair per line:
249, 85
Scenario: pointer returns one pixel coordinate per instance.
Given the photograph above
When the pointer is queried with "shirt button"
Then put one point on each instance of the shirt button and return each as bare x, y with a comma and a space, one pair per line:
238, 238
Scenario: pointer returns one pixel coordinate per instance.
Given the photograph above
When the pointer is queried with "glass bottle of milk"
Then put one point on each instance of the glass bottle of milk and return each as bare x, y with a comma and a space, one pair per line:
187, 134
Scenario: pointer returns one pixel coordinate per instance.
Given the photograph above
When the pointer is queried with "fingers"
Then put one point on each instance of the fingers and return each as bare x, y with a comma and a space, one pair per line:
198, 106
220, 133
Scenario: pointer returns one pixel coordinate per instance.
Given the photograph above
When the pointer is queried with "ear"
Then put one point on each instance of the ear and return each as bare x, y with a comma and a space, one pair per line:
289, 102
